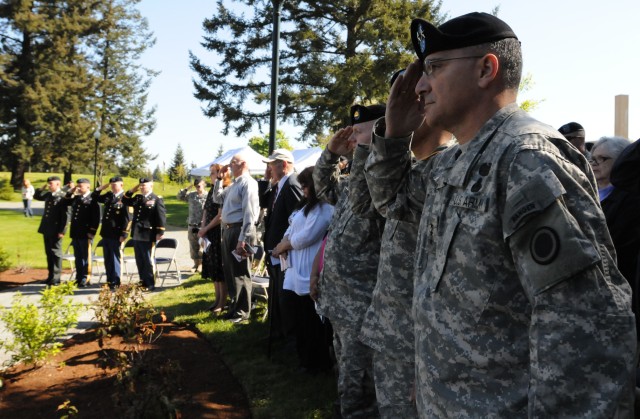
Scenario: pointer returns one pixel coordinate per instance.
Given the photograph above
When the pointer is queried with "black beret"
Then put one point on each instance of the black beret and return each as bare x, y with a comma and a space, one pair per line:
82, 180
115, 179
572, 129
145, 180
51, 178
360, 114
197, 180
395, 76
462, 31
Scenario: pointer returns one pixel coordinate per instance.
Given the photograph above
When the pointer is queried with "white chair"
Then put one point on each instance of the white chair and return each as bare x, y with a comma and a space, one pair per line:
70, 257
96, 260
260, 278
126, 259
165, 253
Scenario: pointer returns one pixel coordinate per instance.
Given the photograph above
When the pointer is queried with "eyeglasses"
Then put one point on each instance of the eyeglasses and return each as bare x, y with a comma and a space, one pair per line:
427, 64
599, 160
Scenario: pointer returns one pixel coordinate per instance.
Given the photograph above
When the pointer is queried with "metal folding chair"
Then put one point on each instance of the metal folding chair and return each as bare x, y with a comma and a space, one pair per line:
167, 257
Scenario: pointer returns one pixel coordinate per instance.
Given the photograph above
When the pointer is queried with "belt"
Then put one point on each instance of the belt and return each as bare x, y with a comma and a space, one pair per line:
232, 225
194, 225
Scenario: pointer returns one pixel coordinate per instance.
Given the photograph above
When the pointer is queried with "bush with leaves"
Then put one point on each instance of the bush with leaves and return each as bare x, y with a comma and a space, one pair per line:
5, 260
35, 328
6, 190
123, 312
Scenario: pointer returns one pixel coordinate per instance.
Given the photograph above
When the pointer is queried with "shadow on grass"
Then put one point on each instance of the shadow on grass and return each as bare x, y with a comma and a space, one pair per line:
274, 386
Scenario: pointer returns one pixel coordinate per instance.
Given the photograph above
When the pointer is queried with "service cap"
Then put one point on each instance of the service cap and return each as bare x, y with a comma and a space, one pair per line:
52, 178
360, 114
82, 180
145, 180
463, 31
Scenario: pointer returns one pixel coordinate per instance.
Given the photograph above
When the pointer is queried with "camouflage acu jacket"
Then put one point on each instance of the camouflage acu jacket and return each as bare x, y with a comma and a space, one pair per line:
518, 306
351, 252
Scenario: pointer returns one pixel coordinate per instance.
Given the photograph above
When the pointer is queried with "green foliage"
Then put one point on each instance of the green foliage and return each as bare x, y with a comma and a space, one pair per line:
527, 84
178, 171
333, 54
122, 312
67, 410
34, 329
220, 151
5, 260
261, 144
68, 70
6, 190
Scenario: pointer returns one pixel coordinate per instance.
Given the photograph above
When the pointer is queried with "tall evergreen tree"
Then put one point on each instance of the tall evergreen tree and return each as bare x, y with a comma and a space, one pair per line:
178, 170
334, 53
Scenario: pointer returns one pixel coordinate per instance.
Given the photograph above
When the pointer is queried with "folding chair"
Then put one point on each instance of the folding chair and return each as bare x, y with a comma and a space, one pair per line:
96, 260
168, 257
126, 259
68, 256
260, 279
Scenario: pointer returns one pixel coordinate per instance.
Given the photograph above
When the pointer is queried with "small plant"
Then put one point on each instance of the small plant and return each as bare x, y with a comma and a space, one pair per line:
145, 385
6, 190
5, 260
123, 312
67, 410
34, 329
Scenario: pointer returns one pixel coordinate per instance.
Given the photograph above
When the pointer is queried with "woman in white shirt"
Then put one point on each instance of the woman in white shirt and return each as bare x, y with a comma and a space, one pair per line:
27, 197
300, 243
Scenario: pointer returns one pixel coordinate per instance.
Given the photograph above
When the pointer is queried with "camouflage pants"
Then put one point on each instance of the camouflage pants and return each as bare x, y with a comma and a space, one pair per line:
355, 373
394, 380
194, 246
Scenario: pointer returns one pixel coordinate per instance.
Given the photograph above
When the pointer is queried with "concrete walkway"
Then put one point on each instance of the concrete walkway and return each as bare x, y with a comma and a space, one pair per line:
87, 296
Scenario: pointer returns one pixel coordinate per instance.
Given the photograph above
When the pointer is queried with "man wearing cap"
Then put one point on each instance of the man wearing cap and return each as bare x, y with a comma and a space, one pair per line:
53, 226
350, 265
387, 326
518, 306
85, 219
196, 200
240, 210
147, 227
281, 198
115, 227
574, 133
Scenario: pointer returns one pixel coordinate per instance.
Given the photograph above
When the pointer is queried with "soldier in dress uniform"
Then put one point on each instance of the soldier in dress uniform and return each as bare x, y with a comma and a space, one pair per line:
147, 227
53, 226
196, 200
85, 219
115, 227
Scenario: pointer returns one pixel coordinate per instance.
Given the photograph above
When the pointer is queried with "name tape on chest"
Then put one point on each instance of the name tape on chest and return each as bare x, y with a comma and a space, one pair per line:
473, 202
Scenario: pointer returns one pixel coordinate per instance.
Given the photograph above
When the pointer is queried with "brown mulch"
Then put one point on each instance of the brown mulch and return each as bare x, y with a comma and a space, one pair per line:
85, 374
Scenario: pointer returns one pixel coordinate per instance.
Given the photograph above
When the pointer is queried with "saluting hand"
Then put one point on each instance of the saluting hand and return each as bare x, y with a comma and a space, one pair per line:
405, 112
340, 143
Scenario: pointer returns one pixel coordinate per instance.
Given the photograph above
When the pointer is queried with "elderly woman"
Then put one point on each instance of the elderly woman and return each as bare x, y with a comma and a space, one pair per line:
621, 209
300, 245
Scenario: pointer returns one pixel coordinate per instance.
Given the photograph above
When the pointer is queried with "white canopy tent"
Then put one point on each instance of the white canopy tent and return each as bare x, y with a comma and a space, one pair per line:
305, 158
253, 158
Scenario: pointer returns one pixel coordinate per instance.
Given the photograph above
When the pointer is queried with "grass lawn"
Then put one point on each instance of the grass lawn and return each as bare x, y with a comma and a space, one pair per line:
274, 386
20, 238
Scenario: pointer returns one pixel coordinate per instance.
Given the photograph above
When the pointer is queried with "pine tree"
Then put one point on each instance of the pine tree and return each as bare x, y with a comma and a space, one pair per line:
334, 53
220, 151
178, 170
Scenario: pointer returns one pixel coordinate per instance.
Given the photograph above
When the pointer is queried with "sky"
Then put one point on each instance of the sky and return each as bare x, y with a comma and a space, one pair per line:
580, 54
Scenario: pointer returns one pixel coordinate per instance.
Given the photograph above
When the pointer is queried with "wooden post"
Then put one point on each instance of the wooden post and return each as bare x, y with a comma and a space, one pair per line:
621, 128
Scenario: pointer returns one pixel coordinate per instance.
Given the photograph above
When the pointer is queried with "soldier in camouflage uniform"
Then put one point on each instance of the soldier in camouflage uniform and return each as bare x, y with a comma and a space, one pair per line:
196, 200
388, 326
519, 309
349, 273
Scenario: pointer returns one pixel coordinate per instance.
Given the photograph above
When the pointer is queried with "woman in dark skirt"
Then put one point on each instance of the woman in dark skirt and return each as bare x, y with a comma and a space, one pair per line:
210, 229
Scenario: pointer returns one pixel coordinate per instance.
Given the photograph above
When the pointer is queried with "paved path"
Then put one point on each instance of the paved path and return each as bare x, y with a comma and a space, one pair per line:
86, 296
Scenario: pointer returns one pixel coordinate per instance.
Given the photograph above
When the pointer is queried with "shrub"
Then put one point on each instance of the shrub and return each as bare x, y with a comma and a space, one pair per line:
35, 329
123, 312
5, 260
6, 190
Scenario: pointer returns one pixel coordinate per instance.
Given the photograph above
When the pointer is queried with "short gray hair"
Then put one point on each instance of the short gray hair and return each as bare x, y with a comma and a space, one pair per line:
509, 53
614, 145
